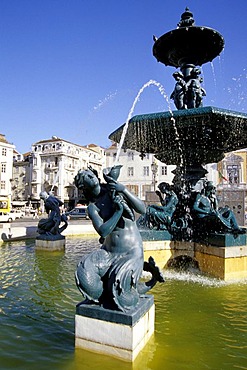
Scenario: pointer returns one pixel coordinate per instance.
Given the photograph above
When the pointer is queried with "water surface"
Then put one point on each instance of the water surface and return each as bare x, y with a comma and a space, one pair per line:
201, 323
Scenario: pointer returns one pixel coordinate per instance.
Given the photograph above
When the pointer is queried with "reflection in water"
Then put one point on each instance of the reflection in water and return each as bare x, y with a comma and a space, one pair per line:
201, 323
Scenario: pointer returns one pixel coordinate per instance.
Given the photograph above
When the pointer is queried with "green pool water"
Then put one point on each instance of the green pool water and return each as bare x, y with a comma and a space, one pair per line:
201, 323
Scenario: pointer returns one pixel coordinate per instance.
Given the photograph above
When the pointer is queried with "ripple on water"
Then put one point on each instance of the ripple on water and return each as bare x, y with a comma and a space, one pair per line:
38, 295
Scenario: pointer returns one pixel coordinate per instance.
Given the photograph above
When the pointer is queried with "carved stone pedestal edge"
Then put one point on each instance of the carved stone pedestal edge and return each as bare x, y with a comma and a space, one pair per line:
114, 333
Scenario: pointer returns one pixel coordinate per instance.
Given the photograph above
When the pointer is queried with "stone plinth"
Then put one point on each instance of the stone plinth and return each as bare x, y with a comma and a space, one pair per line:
115, 333
226, 263
226, 240
55, 244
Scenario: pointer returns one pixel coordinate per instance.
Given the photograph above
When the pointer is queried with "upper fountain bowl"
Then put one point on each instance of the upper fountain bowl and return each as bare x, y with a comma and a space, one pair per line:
188, 45
202, 135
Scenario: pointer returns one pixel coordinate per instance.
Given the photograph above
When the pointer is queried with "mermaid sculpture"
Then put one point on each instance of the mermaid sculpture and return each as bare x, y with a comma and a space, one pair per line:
110, 275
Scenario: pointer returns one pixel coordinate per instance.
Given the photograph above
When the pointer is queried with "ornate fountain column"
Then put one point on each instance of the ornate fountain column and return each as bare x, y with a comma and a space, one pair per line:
186, 48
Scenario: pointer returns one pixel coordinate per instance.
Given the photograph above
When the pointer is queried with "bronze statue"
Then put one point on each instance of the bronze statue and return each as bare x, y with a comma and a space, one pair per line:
188, 92
50, 226
178, 94
209, 218
195, 91
110, 275
160, 217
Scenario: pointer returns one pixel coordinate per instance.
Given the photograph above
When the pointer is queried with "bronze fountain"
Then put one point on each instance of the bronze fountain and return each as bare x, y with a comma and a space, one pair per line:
192, 136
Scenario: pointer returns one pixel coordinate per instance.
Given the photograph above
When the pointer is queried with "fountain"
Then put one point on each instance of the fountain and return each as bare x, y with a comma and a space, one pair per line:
190, 138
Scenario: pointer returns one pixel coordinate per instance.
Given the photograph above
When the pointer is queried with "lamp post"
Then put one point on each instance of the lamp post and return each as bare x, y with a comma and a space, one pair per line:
154, 169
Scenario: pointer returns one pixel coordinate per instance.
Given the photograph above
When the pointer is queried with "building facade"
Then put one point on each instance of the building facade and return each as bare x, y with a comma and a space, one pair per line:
54, 164
6, 167
21, 179
141, 175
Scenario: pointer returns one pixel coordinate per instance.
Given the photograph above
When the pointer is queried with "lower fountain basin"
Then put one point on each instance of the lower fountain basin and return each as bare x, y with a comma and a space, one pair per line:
38, 312
200, 135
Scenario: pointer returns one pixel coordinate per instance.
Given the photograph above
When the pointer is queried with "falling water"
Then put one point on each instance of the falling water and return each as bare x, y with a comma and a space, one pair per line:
163, 93
214, 77
101, 103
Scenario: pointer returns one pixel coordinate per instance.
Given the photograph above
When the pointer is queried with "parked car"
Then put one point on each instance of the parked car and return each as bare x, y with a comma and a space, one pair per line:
77, 213
17, 214
6, 217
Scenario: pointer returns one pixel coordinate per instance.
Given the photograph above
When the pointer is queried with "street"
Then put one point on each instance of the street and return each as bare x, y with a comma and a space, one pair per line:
29, 221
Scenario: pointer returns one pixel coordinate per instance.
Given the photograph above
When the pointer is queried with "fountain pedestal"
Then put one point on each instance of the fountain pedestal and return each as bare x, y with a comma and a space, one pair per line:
54, 243
225, 258
115, 333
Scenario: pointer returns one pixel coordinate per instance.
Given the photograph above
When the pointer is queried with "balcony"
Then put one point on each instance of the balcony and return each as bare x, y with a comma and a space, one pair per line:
50, 167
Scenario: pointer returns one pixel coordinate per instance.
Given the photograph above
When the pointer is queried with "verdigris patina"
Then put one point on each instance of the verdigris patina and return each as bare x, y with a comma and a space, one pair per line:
110, 276
208, 217
188, 92
191, 213
49, 228
160, 216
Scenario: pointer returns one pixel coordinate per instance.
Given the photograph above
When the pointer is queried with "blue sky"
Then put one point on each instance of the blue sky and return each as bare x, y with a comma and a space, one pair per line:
72, 68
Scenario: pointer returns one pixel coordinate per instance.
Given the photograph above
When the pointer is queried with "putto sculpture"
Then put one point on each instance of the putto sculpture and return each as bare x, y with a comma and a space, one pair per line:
188, 92
110, 276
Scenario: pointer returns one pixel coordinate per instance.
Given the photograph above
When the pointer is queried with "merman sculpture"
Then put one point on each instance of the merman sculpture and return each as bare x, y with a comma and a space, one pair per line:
208, 217
159, 217
49, 228
110, 276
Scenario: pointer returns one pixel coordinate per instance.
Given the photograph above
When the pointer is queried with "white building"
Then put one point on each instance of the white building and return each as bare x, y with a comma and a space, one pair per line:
21, 180
6, 163
139, 175
55, 163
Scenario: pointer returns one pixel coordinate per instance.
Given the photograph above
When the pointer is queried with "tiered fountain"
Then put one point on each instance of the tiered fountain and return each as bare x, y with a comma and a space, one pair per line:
189, 138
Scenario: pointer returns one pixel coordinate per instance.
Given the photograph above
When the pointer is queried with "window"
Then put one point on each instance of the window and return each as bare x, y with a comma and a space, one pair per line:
233, 174
130, 156
145, 188
146, 171
130, 171
34, 189
3, 184
133, 189
4, 151
3, 167
164, 170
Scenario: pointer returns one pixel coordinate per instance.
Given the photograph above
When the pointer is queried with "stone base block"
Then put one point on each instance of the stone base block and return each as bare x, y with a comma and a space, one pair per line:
50, 245
226, 240
227, 260
148, 234
115, 333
